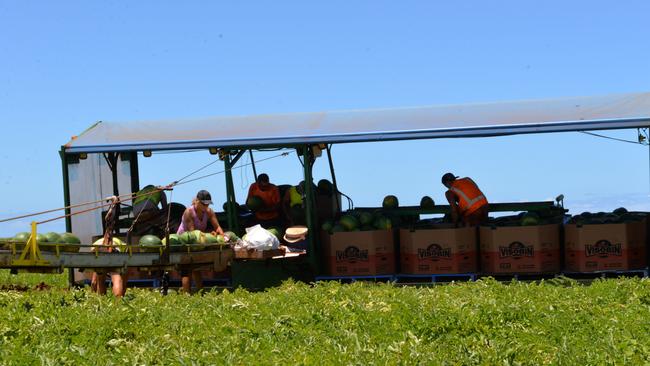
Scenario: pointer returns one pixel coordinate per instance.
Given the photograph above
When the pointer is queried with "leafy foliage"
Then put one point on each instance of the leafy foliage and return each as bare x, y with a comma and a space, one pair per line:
485, 322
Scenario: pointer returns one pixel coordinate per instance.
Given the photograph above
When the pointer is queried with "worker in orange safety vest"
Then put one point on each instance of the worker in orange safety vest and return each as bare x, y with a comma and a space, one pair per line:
466, 200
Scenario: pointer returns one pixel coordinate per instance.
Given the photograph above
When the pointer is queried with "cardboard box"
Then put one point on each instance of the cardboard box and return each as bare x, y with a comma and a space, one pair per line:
603, 247
359, 253
444, 250
520, 249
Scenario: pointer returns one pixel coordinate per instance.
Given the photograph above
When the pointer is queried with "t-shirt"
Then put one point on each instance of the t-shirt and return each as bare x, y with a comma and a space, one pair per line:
271, 197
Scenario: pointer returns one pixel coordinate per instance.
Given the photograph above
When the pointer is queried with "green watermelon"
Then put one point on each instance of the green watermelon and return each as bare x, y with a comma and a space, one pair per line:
325, 187
529, 221
427, 203
390, 202
327, 226
275, 232
255, 203
69, 238
53, 237
383, 223
186, 238
338, 228
41, 238
231, 236
349, 222
365, 218
173, 240
22, 237
210, 239
150, 244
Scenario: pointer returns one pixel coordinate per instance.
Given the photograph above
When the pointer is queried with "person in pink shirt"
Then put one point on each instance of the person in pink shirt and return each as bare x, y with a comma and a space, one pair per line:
196, 217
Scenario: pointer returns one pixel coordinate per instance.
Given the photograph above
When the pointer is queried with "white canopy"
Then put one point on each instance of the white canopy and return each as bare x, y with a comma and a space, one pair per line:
465, 120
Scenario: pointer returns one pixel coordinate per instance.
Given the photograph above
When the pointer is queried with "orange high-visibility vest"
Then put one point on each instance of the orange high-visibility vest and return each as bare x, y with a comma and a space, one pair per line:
470, 198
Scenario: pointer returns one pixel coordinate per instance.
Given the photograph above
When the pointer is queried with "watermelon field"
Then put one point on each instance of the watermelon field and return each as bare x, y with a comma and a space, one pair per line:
484, 322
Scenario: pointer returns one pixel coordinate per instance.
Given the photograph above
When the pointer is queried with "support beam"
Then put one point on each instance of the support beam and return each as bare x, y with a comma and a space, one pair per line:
66, 203
250, 151
312, 238
233, 223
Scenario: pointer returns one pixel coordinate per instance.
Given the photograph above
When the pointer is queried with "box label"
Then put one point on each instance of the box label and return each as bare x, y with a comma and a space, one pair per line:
603, 248
516, 250
434, 252
352, 254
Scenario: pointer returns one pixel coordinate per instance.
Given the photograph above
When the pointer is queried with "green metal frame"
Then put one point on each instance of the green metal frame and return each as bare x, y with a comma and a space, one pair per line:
66, 203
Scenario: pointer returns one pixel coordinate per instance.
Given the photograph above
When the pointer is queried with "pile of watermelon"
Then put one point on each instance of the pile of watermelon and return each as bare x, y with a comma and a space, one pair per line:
358, 221
528, 218
188, 241
618, 216
66, 242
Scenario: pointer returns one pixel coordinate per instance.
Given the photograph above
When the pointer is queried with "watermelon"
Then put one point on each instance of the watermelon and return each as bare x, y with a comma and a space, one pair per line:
117, 244
150, 244
275, 232
22, 237
349, 222
255, 203
337, 228
327, 226
231, 236
198, 240
53, 237
186, 238
365, 218
69, 238
529, 221
211, 239
383, 223
390, 202
40, 238
325, 187
427, 203
173, 240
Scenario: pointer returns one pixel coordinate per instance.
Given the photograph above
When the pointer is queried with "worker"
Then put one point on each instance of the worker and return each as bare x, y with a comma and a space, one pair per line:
150, 211
119, 276
467, 201
269, 214
196, 217
292, 205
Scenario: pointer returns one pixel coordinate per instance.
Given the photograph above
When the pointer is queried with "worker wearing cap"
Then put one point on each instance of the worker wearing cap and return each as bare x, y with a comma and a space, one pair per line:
466, 200
196, 217
269, 215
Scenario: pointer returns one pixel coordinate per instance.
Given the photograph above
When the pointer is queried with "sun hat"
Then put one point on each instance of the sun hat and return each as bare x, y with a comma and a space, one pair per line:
295, 234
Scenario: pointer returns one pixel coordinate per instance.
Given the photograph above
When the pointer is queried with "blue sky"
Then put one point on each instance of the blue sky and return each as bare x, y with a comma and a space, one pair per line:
65, 65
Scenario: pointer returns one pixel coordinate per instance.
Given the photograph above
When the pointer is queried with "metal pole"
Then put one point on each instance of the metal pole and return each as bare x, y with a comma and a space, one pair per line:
233, 225
335, 194
66, 202
309, 209
253, 164
135, 172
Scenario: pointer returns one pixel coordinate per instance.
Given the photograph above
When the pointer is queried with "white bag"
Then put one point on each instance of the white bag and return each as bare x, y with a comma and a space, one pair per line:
259, 238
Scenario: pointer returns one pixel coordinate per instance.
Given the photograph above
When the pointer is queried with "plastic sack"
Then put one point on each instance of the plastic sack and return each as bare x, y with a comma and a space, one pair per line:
259, 238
